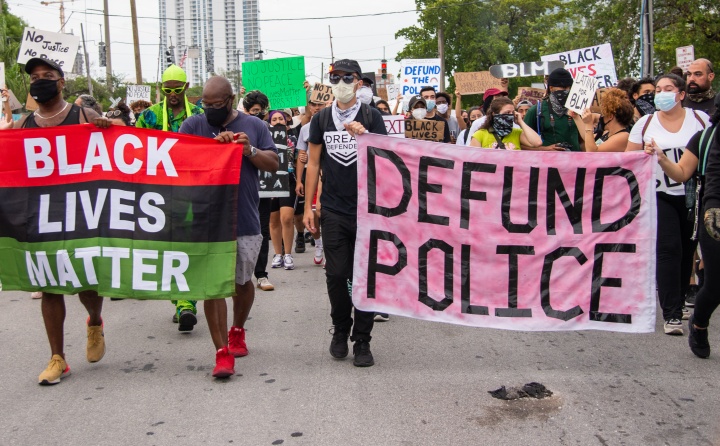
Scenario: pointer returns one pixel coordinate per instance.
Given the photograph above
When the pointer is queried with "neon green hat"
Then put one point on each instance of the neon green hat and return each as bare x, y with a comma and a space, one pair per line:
174, 73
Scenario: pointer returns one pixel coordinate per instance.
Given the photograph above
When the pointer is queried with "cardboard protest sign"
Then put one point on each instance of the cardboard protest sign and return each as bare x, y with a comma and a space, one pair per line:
684, 56
137, 93
60, 48
599, 93
504, 239
418, 73
321, 93
123, 211
476, 82
30, 103
596, 61
525, 69
582, 93
277, 184
14, 103
533, 95
280, 79
424, 129
395, 126
392, 91
382, 93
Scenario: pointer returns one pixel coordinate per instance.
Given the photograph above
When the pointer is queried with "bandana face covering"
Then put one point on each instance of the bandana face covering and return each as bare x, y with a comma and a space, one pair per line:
703, 96
557, 102
503, 124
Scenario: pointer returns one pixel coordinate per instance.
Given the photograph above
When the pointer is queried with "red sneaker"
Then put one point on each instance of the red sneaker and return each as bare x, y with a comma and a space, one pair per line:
224, 364
236, 342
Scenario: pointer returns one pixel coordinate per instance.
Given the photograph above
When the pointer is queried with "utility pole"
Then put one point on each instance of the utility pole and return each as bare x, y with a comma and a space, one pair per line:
62, 11
108, 64
87, 62
136, 42
441, 54
332, 55
647, 44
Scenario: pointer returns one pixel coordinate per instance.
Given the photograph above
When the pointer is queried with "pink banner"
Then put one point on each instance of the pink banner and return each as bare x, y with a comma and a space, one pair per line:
506, 239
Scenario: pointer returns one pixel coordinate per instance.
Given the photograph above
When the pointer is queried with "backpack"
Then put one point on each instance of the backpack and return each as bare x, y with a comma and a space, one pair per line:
326, 117
706, 139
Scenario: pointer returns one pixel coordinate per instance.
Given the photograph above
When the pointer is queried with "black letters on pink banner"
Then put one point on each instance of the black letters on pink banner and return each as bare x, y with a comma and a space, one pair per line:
513, 252
574, 209
532, 202
597, 199
466, 194
391, 156
424, 188
545, 283
447, 274
374, 267
599, 281
466, 307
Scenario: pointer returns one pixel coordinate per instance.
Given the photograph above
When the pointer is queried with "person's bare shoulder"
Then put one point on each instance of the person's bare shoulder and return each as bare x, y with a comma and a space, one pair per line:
19, 123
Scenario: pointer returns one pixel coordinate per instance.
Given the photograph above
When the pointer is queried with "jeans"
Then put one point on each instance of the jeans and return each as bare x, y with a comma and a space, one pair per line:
339, 233
262, 260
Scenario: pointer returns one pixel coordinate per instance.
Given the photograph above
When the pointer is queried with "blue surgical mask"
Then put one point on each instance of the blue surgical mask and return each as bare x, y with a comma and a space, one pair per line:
665, 100
430, 105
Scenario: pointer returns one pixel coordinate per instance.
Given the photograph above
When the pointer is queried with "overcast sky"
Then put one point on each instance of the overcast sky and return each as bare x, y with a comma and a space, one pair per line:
361, 38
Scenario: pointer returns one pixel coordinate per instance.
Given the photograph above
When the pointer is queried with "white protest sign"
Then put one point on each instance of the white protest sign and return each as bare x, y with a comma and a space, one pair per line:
684, 56
418, 73
596, 61
2, 77
137, 93
60, 48
392, 91
395, 125
582, 93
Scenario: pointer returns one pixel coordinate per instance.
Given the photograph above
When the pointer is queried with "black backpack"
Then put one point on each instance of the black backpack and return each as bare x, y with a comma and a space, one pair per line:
694, 186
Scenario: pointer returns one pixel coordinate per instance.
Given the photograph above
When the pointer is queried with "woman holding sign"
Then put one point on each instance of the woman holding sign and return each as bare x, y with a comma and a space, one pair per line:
617, 113
498, 132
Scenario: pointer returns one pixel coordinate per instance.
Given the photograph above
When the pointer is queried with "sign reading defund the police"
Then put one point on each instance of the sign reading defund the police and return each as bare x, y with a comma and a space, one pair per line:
59, 48
596, 61
125, 212
504, 239
418, 73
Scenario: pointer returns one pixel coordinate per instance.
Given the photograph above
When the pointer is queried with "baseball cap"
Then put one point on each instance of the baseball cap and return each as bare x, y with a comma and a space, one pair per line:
35, 61
347, 65
494, 92
414, 100
368, 80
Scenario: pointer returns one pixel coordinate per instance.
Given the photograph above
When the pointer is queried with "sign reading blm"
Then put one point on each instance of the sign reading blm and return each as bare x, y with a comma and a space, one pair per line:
59, 48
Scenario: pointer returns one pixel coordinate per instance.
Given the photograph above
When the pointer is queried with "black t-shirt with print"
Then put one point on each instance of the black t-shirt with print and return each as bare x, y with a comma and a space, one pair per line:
339, 164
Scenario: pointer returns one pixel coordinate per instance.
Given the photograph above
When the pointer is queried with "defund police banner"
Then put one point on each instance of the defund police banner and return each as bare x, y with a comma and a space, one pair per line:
595, 61
126, 212
280, 79
505, 239
60, 48
418, 73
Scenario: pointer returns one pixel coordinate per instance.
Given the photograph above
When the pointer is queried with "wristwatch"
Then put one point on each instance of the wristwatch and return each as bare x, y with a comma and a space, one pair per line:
253, 152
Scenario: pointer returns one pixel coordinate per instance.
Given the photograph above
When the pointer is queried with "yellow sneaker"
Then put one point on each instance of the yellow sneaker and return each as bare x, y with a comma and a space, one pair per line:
57, 368
95, 342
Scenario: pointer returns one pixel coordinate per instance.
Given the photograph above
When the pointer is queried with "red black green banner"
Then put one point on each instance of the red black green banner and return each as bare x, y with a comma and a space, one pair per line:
124, 211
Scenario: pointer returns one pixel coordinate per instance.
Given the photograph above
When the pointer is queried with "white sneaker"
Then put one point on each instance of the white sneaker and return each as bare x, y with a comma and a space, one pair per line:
277, 261
289, 263
685, 313
36, 295
264, 284
673, 327
318, 259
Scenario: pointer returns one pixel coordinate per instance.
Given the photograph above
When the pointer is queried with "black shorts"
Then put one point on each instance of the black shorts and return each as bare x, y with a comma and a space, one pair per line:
284, 202
300, 201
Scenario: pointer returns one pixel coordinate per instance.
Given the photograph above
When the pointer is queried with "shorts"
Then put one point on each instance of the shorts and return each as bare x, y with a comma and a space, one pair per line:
284, 202
248, 248
300, 201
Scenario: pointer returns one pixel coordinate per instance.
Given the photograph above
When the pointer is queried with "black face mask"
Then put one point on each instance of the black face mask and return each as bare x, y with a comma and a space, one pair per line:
217, 116
137, 115
648, 97
44, 90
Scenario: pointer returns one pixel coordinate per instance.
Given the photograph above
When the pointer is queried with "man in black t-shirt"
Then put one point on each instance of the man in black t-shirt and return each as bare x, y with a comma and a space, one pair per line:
701, 96
333, 149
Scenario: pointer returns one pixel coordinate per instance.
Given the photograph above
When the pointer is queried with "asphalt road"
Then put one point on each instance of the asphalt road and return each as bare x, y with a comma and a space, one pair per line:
429, 385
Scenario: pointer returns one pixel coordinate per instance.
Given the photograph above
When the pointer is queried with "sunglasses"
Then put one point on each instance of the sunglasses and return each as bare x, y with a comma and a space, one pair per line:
113, 114
173, 90
348, 78
216, 106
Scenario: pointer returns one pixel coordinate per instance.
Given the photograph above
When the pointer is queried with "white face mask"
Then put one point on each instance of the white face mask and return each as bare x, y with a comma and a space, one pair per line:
442, 108
343, 92
419, 113
365, 95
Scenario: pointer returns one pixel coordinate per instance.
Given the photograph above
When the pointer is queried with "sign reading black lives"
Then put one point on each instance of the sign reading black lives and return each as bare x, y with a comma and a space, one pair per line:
278, 184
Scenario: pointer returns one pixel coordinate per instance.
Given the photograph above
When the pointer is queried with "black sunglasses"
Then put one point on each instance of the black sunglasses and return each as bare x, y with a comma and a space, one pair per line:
347, 78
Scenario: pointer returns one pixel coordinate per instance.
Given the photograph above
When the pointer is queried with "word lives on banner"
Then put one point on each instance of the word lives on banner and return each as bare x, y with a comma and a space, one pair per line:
126, 212
505, 239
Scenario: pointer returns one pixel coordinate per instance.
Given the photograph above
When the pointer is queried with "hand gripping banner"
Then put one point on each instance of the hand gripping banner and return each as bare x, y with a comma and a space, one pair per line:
505, 239
126, 212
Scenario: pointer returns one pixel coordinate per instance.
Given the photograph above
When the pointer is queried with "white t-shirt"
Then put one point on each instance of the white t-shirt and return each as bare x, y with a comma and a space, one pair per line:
303, 138
672, 144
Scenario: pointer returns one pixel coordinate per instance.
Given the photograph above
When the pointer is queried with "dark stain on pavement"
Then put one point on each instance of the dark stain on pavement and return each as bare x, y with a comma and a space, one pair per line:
520, 410
278, 442
148, 367
270, 381
157, 424
296, 434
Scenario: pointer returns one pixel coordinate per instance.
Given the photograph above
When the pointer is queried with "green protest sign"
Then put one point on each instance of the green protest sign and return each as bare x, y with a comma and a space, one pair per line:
280, 79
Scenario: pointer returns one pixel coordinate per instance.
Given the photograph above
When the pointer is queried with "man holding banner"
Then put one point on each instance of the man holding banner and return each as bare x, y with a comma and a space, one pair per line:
332, 141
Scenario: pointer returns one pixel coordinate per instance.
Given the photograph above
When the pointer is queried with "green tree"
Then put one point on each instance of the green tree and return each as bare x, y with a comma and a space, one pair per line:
11, 29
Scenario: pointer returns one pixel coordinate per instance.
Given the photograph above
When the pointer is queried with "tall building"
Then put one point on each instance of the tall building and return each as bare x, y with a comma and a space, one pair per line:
210, 33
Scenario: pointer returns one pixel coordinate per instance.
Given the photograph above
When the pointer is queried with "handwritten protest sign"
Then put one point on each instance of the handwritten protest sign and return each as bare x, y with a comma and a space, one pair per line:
503, 239
277, 184
582, 93
321, 93
525, 69
684, 56
60, 48
476, 82
395, 125
392, 91
418, 73
123, 211
280, 79
137, 93
425, 129
595, 107
2, 76
596, 61
533, 95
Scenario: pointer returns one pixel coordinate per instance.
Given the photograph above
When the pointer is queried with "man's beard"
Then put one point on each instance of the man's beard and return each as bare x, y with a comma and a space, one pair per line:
695, 88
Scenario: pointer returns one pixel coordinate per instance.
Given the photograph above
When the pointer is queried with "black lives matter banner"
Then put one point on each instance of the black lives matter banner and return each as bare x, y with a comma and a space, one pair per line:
505, 239
126, 212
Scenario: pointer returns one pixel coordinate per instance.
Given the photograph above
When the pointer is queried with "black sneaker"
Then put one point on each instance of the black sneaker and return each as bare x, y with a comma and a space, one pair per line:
186, 320
175, 318
698, 340
308, 237
363, 356
690, 296
299, 244
339, 344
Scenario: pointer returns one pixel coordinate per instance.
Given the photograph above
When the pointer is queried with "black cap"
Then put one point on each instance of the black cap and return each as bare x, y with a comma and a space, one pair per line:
560, 77
414, 100
35, 61
347, 65
367, 80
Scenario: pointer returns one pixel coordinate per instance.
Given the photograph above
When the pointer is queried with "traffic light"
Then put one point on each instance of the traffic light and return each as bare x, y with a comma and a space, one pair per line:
102, 54
383, 68
168, 58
